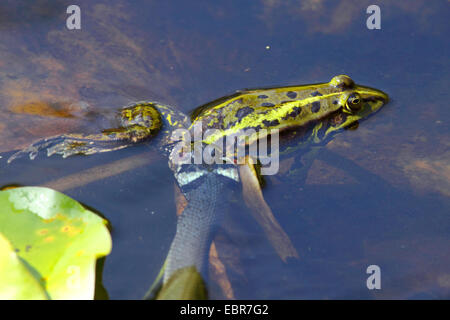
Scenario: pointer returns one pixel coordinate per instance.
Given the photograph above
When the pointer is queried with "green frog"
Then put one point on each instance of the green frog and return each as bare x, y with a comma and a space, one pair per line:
312, 113
324, 108
315, 113
293, 106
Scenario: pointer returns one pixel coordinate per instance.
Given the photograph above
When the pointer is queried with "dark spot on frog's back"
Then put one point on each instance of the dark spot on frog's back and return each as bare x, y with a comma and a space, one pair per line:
231, 124
267, 104
272, 123
316, 94
244, 112
295, 112
263, 96
315, 107
291, 94
257, 128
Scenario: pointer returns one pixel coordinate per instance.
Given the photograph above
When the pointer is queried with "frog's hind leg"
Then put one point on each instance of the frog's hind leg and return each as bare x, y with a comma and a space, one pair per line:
74, 144
68, 145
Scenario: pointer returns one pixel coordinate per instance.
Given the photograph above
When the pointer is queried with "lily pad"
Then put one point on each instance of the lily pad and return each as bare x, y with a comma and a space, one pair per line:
15, 272
55, 238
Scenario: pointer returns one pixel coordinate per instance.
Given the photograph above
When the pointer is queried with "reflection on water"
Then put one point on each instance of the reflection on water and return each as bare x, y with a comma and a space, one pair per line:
377, 195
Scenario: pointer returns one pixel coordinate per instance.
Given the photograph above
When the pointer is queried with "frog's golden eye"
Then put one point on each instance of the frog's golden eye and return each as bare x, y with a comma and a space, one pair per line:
354, 102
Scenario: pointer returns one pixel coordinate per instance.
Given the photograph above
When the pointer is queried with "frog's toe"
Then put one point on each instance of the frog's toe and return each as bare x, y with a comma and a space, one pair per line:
29, 150
33, 149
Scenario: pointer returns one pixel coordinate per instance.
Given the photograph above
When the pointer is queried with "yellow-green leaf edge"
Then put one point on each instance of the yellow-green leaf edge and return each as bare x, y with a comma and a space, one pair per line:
55, 238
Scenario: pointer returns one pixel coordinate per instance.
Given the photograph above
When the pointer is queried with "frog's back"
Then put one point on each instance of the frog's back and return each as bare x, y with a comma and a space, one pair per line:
285, 107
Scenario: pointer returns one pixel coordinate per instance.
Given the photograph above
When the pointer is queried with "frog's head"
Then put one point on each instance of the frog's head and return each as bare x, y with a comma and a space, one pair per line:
355, 102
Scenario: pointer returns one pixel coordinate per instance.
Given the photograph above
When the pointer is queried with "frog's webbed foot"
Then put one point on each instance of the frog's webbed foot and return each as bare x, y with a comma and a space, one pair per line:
33, 149
67, 145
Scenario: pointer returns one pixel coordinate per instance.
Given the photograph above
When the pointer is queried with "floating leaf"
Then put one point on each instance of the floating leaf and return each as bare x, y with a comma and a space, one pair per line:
56, 237
14, 272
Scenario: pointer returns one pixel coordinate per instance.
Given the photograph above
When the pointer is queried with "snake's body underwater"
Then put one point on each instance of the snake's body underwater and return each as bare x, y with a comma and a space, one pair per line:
317, 111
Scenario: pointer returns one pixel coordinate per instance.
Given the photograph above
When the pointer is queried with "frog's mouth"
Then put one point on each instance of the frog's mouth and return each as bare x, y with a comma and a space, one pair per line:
373, 100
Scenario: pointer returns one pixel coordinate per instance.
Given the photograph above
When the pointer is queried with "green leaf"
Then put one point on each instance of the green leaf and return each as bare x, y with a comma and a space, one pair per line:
56, 239
12, 272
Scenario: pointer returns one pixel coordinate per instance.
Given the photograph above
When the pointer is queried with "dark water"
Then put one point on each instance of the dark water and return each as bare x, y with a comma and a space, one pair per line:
375, 196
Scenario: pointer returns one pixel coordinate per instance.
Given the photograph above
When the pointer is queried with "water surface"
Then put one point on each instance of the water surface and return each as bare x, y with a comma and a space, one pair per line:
378, 195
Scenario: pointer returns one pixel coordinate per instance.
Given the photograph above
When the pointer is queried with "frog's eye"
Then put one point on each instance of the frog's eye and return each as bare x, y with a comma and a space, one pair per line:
354, 102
